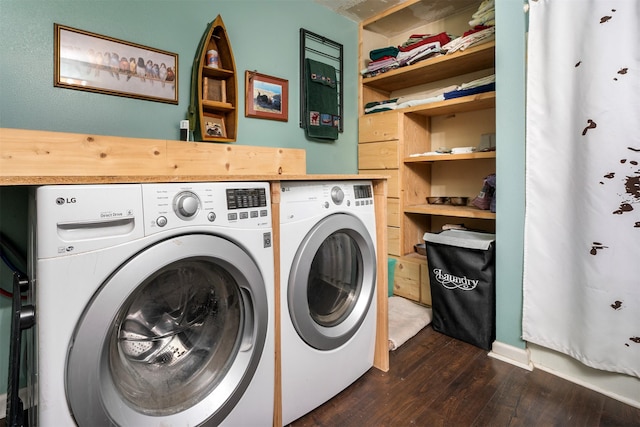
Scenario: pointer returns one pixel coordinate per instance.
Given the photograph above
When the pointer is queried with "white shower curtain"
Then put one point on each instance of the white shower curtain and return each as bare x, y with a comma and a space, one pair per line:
582, 226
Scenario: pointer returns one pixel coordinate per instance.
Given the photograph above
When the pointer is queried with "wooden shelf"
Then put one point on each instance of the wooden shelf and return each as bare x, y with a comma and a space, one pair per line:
449, 157
450, 210
217, 106
414, 256
481, 101
475, 58
217, 73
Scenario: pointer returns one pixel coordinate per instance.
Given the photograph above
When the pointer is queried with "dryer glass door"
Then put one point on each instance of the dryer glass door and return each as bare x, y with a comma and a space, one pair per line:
332, 281
173, 337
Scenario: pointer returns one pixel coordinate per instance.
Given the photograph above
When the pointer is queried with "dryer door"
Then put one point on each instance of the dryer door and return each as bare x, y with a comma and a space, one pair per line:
332, 281
171, 338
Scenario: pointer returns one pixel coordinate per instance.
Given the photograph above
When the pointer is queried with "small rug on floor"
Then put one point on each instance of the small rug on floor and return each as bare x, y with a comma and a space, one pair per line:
406, 318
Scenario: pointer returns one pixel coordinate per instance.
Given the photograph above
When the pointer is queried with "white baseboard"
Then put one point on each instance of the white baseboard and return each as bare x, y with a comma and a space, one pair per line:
507, 353
621, 387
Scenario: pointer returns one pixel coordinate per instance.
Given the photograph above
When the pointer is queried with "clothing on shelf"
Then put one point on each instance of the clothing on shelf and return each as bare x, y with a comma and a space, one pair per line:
422, 39
378, 106
485, 15
383, 52
480, 85
475, 38
421, 52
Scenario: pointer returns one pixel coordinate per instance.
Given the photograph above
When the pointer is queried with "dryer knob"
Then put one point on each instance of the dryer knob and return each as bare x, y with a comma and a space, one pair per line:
337, 195
186, 204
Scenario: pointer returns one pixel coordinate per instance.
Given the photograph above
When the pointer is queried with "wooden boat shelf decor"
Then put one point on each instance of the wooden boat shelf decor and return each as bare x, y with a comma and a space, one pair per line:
212, 112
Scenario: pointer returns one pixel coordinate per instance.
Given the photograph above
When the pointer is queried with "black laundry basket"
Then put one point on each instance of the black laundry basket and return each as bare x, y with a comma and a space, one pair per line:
462, 273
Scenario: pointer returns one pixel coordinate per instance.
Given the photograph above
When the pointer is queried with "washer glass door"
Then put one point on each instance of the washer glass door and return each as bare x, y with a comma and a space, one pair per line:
176, 336
173, 336
332, 281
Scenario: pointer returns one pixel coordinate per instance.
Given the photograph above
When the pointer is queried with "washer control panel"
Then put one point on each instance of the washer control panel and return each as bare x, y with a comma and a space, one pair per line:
238, 204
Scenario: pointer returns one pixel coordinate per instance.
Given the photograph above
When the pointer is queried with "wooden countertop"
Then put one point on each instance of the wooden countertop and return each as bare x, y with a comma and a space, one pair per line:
30, 157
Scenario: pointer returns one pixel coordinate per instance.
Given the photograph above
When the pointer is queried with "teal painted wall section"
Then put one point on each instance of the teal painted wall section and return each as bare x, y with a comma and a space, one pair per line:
264, 36
510, 162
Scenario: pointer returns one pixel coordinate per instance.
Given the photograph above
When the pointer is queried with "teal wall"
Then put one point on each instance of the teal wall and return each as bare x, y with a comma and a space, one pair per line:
264, 36
510, 161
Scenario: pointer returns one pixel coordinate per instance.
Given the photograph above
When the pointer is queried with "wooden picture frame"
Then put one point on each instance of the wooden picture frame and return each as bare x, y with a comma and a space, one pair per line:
266, 97
96, 63
214, 126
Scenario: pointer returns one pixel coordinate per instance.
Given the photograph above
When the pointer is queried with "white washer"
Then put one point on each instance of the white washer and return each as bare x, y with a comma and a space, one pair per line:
327, 290
154, 305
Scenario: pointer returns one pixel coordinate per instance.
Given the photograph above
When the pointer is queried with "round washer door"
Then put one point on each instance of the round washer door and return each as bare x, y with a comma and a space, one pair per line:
173, 337
332, 281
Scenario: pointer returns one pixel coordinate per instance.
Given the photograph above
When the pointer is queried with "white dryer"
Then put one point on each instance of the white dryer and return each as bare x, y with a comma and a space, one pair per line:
154, 305
327, 290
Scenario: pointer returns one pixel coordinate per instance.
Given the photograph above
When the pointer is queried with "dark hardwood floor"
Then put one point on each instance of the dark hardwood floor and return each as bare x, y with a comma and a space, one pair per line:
435, 380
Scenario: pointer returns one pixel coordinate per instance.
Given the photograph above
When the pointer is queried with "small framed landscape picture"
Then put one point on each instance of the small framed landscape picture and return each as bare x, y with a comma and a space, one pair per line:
266, 97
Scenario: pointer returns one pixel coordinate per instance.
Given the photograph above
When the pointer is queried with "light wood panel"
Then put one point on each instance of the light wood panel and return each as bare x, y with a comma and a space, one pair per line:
381, 355
393, 212
407, 279
378, 127
393, 179
378, 155
393, 235
26, 156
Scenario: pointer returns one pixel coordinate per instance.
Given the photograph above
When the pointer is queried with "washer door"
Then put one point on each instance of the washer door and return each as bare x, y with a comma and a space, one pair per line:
173, 337
332, 281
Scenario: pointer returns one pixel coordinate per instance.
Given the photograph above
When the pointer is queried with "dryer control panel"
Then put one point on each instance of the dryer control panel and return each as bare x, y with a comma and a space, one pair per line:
305, 199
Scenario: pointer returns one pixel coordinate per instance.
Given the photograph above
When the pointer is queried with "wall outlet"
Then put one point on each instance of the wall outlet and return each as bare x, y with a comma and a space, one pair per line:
184, 130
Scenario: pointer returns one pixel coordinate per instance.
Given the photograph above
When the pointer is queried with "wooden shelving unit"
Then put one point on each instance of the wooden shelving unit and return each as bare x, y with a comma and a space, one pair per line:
391, 142
213, 113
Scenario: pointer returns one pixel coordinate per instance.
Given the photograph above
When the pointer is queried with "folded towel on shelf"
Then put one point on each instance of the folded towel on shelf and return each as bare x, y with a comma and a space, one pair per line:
478, 82
421, 52
443, 38
425, 94
462, 43
382, 52
378, 106
470, 91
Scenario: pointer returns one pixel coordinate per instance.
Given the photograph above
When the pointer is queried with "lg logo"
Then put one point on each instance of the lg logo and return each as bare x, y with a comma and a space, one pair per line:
62, 200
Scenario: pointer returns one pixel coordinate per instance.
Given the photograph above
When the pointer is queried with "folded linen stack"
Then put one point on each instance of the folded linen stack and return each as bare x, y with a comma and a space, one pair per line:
480, 85
485, 15
417, 48
378, 106
483, 84
482, 30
